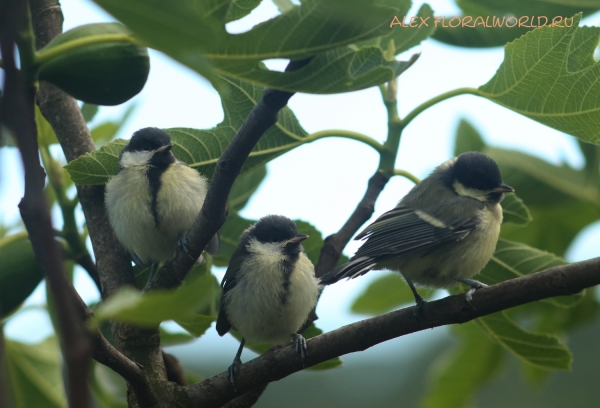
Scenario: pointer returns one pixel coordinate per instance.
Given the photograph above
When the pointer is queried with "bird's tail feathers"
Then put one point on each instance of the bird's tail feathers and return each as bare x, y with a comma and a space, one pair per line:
350, 270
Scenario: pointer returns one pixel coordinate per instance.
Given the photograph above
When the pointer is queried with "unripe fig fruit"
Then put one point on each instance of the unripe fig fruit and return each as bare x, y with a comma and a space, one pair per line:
103, 74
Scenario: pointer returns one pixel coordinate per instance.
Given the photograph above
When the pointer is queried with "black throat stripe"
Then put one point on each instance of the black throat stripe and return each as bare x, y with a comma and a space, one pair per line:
287, 267
154, 174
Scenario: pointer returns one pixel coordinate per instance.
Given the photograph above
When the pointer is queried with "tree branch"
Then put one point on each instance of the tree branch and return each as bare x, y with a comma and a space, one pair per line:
273, 366
228, 167
18, 114
113, 262
335, 244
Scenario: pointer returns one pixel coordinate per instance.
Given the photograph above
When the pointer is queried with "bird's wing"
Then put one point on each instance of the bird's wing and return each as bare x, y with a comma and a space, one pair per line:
229, 281
404, 231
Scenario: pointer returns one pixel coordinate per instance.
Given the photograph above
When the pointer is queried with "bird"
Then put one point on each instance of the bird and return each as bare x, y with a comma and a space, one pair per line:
269, 287
443, 232
153, 200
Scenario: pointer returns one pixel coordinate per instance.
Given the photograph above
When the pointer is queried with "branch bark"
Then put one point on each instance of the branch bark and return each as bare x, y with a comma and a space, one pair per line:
113, 262
18, 114
273, 366
335, 244
214, 211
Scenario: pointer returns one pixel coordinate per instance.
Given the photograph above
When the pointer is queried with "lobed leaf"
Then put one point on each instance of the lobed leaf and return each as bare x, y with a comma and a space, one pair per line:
201, 149
512, 260
541, 350
514, 210
194, 34
550, 76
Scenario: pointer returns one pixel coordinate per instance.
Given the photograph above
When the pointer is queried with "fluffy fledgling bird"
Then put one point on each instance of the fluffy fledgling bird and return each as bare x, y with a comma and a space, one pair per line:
154, 199
444, 231
269, 287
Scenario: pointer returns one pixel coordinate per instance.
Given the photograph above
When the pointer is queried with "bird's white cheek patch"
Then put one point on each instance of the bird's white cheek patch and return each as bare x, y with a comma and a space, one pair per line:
430, 219
461, 190
134, 158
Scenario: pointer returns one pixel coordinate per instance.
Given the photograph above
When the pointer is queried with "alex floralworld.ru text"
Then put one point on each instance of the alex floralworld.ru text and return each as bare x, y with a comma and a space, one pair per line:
480, 21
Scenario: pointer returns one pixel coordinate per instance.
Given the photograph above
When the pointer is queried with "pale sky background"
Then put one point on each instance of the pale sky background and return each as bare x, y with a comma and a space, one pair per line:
328, 176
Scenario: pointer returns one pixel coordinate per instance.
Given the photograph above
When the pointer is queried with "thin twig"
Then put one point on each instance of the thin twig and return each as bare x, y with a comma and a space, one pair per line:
334, 244
557, 281
18, 114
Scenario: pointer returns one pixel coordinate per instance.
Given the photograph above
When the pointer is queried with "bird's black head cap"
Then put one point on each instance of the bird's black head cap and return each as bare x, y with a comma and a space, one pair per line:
477, 170
148, 139
274, 228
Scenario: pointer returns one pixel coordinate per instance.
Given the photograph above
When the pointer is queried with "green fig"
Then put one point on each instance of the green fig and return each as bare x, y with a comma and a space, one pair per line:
19, 272
106, 73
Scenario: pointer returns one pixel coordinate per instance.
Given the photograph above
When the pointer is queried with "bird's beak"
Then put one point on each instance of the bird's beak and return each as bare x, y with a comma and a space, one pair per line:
295, 240
164, 148
503, 188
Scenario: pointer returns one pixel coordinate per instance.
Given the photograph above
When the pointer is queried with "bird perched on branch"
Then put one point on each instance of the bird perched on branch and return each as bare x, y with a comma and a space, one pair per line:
154, 199
269, 287
444, 231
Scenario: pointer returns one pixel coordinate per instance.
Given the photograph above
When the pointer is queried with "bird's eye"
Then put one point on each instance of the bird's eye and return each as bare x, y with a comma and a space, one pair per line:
146, 147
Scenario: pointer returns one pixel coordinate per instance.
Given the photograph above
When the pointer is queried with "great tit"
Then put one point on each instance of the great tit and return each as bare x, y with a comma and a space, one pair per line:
154, 199
441, 233
269, 288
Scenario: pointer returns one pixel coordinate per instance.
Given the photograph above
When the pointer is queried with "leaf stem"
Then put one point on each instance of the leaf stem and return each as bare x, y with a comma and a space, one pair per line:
407, 175
45, 55
442, 97
347, 134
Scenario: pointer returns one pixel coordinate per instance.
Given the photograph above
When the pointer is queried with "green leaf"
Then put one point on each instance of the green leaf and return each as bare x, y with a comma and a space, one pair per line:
404, 38
244, 186
541, 350
195, 35
488, 32
512, 260
550, 76
35, 374
148, 310
468, 139
476, 358
168, 338
386, 293
559, 198
196, 324
20, 273
201, 149
89, 110
514, 210
98, 166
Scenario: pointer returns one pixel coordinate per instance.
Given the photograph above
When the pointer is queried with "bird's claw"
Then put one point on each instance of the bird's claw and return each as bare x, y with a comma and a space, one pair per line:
474, 286
184, 245
420, 309
233, 371
300, 344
